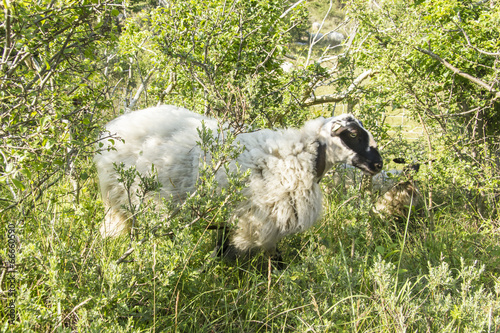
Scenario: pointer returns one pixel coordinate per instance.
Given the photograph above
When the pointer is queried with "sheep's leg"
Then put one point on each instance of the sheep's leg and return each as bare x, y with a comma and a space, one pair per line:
276, 258
116, 223
278, 261
223, 247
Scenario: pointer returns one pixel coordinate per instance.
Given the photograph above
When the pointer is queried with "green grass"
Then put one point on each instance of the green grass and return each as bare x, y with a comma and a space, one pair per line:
348, 273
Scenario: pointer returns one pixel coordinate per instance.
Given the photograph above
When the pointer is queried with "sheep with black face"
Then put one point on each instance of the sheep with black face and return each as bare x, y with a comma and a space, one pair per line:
283, 196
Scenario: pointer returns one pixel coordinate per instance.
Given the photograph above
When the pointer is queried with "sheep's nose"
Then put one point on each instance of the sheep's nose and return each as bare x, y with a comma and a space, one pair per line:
378, 166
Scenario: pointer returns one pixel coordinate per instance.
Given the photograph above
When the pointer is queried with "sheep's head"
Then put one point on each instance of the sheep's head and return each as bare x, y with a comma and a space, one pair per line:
347, 141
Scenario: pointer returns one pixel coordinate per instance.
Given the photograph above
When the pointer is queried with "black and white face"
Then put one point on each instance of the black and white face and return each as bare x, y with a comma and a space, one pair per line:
349, 142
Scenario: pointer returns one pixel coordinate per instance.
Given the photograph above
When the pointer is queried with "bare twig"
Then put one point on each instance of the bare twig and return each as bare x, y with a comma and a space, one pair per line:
457, 71
315, 40
332, 98
472, 46
143, 85
7, 24
170, 88
456, 114
429, 146
69, 314
292, 7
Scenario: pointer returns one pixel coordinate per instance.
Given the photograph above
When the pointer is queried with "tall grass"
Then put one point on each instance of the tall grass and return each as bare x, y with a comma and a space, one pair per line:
349, 273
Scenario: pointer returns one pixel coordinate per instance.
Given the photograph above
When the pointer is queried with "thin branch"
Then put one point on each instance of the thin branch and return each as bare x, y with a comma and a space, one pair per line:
333, 98
449, 115
289, 9
69, 314
429, 146
460, 73
169, 89
143, 85
472, 46
314, 41
7, 45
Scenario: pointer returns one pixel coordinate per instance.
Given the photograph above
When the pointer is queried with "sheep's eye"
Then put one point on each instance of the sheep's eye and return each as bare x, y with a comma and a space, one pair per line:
353, 134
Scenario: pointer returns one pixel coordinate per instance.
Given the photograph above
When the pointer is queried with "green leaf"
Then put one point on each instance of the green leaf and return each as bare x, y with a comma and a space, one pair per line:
18, 184
380, 249
27, 173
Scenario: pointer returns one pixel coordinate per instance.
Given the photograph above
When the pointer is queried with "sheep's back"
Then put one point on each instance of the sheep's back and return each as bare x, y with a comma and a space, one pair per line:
165, 137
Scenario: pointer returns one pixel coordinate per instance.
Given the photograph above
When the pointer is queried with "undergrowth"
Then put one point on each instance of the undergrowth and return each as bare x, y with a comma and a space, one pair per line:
345, 274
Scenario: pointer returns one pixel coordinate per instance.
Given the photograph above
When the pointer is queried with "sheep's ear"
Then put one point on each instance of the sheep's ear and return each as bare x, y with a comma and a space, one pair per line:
341, 123
337, 128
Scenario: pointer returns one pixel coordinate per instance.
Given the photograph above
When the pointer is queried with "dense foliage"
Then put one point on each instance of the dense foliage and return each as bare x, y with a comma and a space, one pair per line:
219, 58
69, 66
52, 92
440, 62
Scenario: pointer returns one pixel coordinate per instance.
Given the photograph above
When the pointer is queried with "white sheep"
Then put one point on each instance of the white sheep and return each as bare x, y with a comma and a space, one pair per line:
287, 67
282, 193
331, 38
334, 38
315, 37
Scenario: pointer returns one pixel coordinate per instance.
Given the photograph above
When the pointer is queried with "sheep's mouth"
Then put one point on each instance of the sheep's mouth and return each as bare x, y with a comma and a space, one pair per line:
367, 170
370, 166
